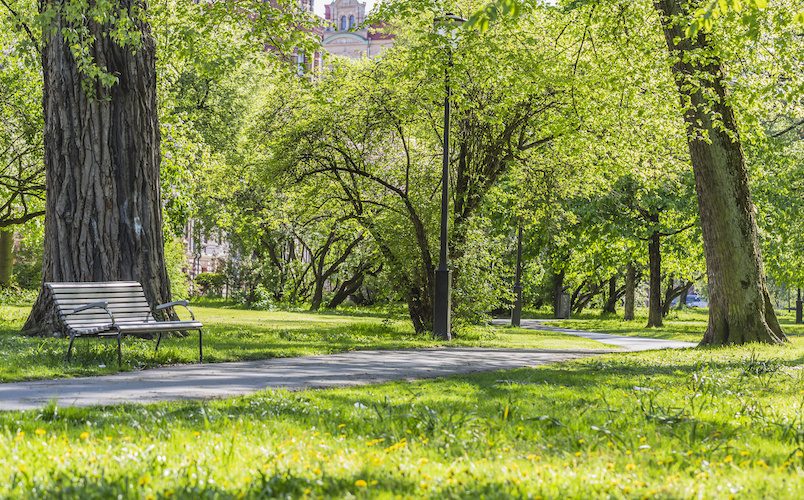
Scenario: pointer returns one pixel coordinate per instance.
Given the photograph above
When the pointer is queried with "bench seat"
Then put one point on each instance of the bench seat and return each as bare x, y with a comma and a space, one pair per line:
115, 309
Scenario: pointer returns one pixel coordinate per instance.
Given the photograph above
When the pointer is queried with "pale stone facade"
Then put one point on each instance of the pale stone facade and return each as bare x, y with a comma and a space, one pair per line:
347, 34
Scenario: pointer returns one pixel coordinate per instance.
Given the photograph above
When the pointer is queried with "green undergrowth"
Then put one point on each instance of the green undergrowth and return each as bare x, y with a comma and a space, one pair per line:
696, 423
235, 334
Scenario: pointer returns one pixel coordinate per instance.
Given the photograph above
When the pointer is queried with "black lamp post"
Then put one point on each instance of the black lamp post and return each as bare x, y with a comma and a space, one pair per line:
443, 276
516, 313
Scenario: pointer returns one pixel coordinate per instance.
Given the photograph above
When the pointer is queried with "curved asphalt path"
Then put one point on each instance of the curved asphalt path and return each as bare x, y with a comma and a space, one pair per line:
219, 380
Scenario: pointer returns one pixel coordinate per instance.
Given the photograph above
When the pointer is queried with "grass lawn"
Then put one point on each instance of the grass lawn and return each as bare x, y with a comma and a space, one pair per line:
711, 423
234, 334
687, 325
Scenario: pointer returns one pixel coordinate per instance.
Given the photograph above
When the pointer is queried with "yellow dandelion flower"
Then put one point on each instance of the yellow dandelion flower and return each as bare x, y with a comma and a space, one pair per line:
40, 432
84, 435
744, 453
728, 459
317, 471
610, 466
630, 467
361, 483
144, 480
578, 453
533, 457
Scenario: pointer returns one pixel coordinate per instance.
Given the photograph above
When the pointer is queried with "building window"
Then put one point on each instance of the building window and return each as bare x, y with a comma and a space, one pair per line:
343, 23
351, 22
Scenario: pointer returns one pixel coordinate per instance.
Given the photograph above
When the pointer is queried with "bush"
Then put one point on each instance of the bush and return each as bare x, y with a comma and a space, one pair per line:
210, 284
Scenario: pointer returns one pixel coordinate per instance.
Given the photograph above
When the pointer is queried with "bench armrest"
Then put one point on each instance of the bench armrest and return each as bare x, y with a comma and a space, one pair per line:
171, 305
104, 305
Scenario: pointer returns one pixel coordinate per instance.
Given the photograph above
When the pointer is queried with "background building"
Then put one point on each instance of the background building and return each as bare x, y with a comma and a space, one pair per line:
348, 35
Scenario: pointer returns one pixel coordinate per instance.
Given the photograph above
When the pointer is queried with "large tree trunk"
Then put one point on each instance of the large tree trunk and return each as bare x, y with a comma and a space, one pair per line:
740, 309
6, 256
655, 280
103, 217
630, 291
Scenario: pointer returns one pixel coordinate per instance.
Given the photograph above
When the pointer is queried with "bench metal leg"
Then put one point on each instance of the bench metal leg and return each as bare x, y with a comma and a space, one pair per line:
119, 351
158, 340
200, 346
70, 348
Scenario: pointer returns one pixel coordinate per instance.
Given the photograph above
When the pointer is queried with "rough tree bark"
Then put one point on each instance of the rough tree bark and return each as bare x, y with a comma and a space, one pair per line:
103, 217
655, 280
740, 308
630, 291
6, 256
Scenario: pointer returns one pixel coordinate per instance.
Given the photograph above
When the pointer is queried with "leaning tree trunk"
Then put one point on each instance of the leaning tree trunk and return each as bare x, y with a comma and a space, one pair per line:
630, 292
103, 217
740, 309
6, 256
655, 280
682, 299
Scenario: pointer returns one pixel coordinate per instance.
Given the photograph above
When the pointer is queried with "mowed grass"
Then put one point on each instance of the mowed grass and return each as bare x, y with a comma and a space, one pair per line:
696, 423
688, 325
234, 334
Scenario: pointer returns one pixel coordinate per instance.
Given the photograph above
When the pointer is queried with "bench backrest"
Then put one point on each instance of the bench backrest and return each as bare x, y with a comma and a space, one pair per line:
126, 301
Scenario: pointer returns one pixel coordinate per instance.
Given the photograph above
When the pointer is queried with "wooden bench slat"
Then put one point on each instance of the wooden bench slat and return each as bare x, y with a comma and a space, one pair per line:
105, 318
117, 295
116, 305
104, 296
92, 284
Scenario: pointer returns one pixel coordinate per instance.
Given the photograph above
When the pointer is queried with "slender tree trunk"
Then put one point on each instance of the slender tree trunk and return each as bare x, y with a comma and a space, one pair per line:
6, 256
103, 217
558, 291
610, 306
630, 291
740, 309
799, 308
655, 280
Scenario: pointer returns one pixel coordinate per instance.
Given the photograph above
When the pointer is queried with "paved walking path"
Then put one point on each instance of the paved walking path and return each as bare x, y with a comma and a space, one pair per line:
623, 341
218, 380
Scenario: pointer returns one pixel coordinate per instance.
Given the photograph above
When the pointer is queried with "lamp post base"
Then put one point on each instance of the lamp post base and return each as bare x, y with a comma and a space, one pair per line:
442, 305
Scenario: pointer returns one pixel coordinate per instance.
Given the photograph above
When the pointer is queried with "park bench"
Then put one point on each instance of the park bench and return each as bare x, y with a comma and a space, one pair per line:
115, 309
